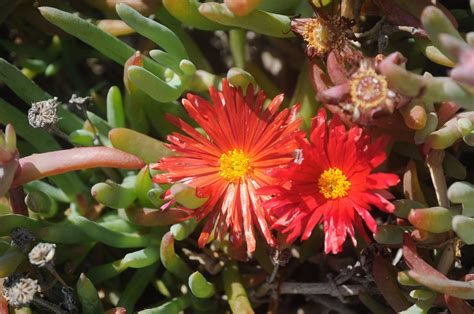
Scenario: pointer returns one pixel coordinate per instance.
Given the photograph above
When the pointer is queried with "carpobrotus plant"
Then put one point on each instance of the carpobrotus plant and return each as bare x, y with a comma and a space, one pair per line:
236, 156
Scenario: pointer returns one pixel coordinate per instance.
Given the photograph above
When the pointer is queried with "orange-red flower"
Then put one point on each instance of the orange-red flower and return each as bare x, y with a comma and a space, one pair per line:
333, 183
228, 164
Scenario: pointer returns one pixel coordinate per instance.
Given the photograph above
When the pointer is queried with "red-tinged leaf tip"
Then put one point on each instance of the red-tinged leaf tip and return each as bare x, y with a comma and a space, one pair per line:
117, 310
457, 306
38, 166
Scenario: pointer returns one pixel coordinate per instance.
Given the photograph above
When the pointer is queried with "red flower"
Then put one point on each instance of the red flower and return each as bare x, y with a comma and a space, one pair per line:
332, 183
229, 164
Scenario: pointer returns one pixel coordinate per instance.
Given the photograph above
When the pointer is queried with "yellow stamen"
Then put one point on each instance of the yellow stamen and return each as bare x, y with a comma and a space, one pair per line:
368, 89
333, 183
318, 35
233, 164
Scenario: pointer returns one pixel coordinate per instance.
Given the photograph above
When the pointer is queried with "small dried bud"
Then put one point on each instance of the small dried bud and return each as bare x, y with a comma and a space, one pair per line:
79, 103
22, 237
19, 291
42, 254
280, 257
43, 114
69, 303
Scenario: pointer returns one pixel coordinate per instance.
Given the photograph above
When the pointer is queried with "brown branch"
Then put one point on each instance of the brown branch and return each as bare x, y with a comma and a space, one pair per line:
320, 288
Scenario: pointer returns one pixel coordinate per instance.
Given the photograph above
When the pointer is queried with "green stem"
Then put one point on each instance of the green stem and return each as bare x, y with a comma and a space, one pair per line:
238, 46
234, 289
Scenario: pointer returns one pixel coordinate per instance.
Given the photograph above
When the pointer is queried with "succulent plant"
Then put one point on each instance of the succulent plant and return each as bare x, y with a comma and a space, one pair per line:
89, 225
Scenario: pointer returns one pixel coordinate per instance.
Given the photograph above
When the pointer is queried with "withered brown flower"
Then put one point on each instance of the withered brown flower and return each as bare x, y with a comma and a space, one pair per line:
323, 33
364, 93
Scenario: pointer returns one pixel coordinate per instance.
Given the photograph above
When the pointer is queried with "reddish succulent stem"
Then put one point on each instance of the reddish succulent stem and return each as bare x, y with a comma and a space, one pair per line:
38, 166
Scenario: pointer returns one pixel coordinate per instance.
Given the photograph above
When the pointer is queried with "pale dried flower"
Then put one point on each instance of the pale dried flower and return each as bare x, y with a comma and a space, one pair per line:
42, 254
43, 114
19, 291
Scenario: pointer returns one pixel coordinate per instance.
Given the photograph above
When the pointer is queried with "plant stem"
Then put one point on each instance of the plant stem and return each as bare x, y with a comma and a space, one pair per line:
434, 163
320, 288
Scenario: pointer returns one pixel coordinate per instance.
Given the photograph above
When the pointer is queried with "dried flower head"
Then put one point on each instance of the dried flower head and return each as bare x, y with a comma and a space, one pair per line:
42, 254
43, 114
368, 88
69, 303
317, 34
363, 94
324, 32
19, 291
369, 93
22, 237
79, 103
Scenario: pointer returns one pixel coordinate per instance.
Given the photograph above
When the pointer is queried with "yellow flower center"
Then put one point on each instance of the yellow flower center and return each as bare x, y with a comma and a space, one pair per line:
318, 35
368, 89
333, 183
233, 164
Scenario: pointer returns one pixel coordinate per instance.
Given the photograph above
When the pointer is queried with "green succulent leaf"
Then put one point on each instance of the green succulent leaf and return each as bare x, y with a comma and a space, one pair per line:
113, 195
154, 86
199, 286
115, 111
88, 296
158, 33
138, 144
187, 11
261, 22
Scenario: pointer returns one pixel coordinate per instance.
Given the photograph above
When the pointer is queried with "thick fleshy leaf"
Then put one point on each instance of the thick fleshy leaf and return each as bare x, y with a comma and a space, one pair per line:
167, 60
433, 89
113, 195
171, 260
186, 196
199, 286
234, 289
115, 114
464, 226
411, 184
143, 184
389, 234
242, 7
460, 192
183, 229
138, 144
38, 166
88, 296
138, 259
153, 30
187, 12
105, 43
240, 78
265, 23
458, 289
403, 207
428, 276
136, 286
433, 219
154, 86
436, 22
